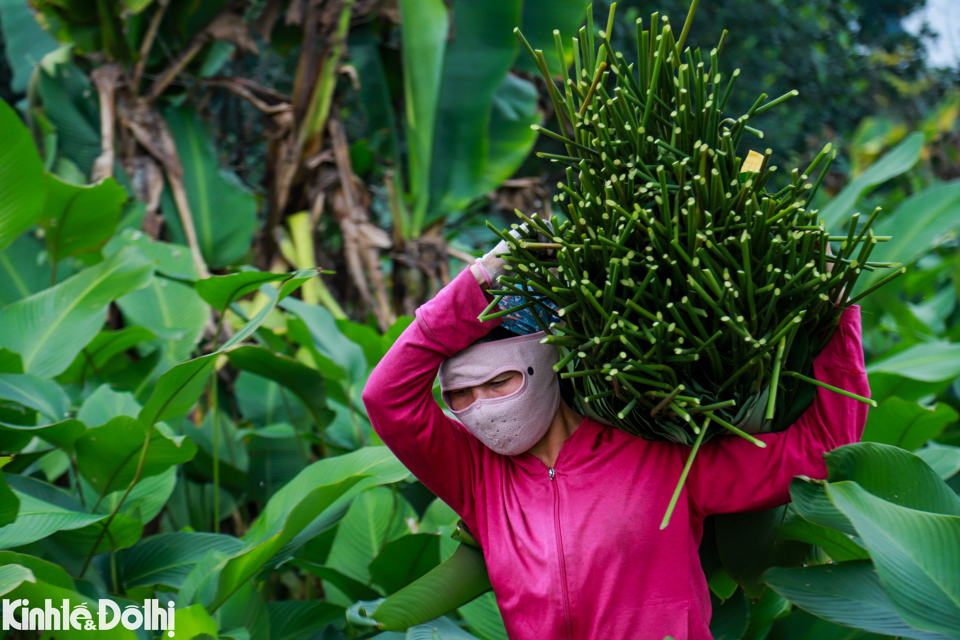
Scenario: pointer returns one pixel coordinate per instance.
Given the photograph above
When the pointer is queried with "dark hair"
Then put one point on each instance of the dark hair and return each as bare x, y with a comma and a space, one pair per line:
499, 333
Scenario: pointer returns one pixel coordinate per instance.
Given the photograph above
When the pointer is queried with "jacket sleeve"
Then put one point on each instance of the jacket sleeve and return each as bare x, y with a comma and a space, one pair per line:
731, 474
399, 399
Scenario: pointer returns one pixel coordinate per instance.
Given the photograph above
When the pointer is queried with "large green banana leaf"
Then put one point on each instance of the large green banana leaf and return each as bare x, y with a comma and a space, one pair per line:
426, 22
467, 120
224, 211
476, 63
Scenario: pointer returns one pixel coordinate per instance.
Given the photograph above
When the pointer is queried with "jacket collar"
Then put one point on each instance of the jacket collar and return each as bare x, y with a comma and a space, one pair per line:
576, 448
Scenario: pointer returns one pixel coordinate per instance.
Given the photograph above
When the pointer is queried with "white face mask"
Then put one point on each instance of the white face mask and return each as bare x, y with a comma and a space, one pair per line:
510, 424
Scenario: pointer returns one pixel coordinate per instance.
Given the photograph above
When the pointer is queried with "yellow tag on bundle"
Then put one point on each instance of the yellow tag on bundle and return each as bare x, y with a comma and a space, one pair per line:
752, 162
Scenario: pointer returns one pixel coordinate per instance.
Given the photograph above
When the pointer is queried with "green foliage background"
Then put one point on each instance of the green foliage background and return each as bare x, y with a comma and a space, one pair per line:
180, 410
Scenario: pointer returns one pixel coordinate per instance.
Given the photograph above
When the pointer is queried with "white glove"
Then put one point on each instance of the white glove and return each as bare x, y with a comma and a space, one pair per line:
493, 265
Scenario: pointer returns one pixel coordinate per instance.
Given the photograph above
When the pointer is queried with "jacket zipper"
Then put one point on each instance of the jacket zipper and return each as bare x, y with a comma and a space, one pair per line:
563, 568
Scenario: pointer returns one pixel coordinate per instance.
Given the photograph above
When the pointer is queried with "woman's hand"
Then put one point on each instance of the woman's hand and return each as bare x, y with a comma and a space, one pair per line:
491, 266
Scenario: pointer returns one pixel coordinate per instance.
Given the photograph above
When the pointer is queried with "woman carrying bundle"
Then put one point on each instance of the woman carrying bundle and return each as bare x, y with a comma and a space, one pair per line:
568, 510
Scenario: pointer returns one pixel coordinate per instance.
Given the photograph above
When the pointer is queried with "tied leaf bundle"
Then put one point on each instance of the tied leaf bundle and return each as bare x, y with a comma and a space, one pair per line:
691, 300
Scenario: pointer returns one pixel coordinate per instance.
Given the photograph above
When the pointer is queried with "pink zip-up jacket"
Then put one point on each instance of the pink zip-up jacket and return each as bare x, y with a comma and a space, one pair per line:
576, 552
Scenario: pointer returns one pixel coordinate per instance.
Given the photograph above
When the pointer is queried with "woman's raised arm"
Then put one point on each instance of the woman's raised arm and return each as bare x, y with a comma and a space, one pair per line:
732, 474
439, 451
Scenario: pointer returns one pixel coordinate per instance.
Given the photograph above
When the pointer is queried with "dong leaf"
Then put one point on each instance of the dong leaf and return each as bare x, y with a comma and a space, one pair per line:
12, 576
928, 362
907, 424
71, 103
222, 291
171, 310
61, 434
483, 616
916, 554
80, 219
260, 549
25, 41
195, 622
374, 519
168, 557
38, 519
888, 472
22, 187
354, 589
892, 474
748, 545
289, 283
404, 560
44, 396
323, 335
895, 162
305, 382
101, 349
22, 273
143, 503
917, 225
105, 404
453, 583
9, 503
297, 620
172, 260
177, 390
943, 459
50, 328
108, 455
848, 593
837, 544
310, 503
378, 465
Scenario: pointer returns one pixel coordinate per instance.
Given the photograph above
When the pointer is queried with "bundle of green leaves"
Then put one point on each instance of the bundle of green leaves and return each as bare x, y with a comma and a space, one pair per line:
691, 299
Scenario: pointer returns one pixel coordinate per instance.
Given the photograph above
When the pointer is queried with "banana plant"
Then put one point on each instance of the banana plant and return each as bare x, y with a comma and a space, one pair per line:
467, 119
